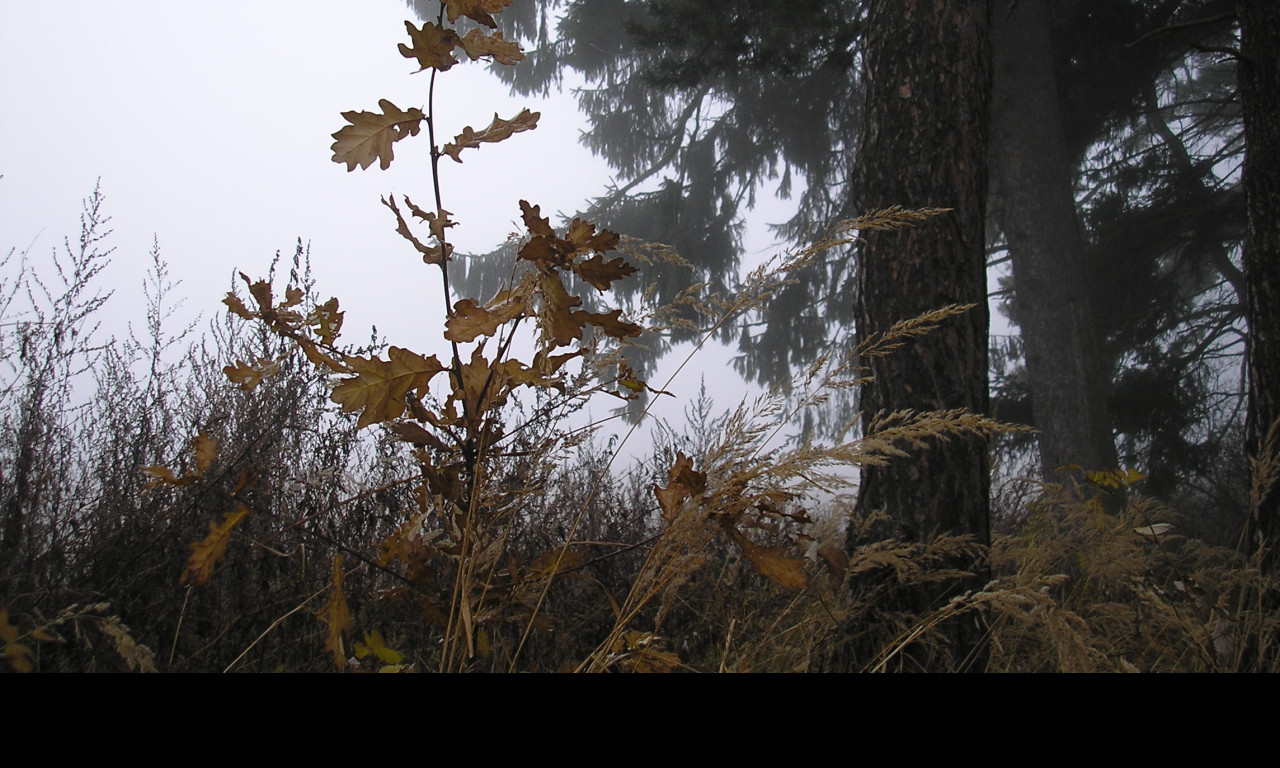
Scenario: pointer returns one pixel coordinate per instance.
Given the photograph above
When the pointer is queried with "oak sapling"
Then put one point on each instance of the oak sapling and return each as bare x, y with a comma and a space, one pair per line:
460, 438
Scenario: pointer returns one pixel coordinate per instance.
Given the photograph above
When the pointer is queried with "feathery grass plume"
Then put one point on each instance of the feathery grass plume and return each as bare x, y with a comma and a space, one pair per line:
1082, 588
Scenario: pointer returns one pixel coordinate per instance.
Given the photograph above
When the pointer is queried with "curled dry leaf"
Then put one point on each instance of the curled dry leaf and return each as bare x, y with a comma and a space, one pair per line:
430, 254
497, 130
335, 614
478, 45
477, 10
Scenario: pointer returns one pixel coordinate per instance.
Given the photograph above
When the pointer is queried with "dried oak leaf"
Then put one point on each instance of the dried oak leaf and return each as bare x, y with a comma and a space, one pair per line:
430, 254
250, 375
320, 359
497, 130
478, 44
438, 221
206, 450
484, 386
610, 323
476, 10
261, 293
601, 273
336, 615
772, 562
683, 482
209, 551
379, 387
327, 321
432, 46
559, 322
584, 237
371, 134
545, 371
533, 219
237, 307
470, 320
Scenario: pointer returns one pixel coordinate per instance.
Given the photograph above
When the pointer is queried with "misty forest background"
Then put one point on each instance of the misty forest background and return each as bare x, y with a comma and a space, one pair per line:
1078, 483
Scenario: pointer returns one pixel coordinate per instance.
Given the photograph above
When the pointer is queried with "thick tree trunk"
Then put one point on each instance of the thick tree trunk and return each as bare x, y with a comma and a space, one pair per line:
1259, 74
1038, 215
927, 66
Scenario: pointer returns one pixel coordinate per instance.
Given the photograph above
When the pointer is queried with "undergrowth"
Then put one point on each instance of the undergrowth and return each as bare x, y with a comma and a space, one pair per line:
366, 508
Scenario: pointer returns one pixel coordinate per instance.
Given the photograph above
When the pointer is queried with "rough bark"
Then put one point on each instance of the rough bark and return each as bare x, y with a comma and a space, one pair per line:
1259, 75
1037, 213
927, 68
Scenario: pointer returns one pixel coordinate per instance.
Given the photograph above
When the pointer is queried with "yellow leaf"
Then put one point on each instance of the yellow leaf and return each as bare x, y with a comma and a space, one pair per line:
209, 551
336, 615
163, 476
497, 130
772, 562
371, 134
379, 386
374, 644
20, 656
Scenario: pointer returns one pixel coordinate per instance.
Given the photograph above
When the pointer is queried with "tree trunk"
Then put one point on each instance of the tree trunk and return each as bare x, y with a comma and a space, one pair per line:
1259, 74
1038, 215
927, 68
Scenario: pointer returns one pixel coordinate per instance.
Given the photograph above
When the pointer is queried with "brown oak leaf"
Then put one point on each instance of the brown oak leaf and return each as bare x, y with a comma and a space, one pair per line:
772, 562
477, 10
371, 134
584, 237
477, 44
497, 130
430, 254
559, 322
209, 551
432, 46
601, 273
379, 387
610, 323
470, 320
